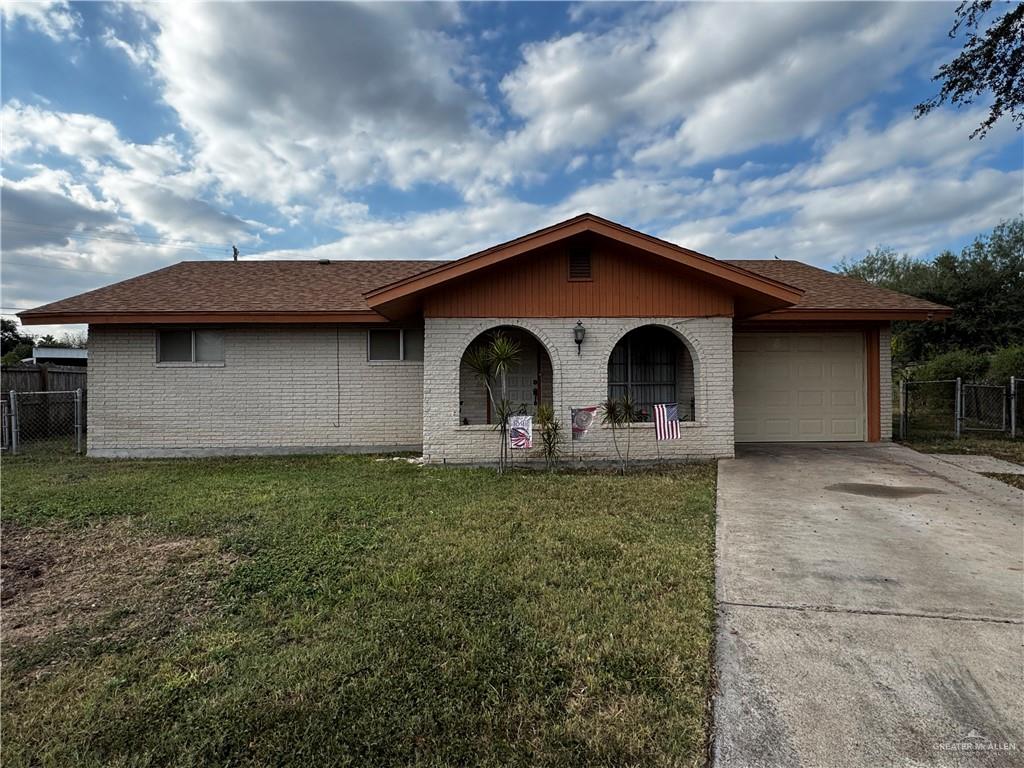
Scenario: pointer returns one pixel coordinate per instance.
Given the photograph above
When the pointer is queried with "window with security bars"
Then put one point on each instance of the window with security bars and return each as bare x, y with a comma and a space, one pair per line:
645, 364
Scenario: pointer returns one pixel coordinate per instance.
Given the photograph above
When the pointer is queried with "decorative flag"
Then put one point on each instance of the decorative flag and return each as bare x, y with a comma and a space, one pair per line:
666, 421
520, 432
582, 418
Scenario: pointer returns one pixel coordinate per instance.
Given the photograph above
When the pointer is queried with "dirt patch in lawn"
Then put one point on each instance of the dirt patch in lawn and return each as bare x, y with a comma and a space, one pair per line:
106, 581
1017, 481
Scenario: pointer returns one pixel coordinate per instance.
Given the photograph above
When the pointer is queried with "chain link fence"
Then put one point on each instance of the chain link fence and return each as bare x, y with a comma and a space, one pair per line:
44, 420
1016, 407
951, 408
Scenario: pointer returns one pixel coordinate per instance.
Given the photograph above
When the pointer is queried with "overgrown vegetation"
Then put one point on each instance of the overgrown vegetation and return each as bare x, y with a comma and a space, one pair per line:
995, 368
359, 612
984, 285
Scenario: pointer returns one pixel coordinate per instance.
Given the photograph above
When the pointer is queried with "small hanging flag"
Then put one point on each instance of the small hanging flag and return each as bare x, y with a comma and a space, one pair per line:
582, 418
666, 421
520, 432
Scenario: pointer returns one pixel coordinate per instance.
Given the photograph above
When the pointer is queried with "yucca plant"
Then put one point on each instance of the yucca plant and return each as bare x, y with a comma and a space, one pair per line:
550, 435
491, 361
620, 413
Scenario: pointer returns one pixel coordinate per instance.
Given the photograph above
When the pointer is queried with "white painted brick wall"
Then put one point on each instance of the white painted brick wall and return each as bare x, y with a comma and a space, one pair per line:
579, 381
885, 372
278, 389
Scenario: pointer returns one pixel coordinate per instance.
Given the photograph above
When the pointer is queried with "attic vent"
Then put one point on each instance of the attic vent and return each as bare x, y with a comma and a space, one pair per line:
579, 264
323, 261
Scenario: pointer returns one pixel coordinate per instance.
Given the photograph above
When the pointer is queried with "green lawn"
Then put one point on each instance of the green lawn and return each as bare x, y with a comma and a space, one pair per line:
348, 611
1000, 447
971, 443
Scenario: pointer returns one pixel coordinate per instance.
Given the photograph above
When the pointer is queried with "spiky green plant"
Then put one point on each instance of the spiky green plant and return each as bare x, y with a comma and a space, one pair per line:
550, 435
620, 413
491, 361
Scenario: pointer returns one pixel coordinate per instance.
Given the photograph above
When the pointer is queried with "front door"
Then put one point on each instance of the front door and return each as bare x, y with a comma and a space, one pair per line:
522, 384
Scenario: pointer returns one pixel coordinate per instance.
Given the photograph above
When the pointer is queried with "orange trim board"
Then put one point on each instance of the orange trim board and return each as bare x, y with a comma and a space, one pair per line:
817, 315
872, 368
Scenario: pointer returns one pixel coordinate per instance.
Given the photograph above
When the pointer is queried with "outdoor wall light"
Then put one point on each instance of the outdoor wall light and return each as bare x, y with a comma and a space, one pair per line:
578, 334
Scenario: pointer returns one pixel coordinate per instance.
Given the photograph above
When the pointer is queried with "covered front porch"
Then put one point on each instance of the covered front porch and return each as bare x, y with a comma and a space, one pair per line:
686, 361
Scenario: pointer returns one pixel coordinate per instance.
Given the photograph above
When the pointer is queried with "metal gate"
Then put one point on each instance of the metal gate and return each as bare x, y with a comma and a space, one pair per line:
54, 420
951, 407
983, 408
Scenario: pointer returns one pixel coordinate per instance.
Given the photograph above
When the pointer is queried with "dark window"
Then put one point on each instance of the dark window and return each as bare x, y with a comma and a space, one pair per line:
175, 347
579, 264
393, 344
412, 344
189, 346
645, 364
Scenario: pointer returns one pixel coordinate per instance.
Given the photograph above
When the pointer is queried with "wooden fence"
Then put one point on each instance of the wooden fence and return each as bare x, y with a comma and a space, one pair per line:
46, 407
42, 378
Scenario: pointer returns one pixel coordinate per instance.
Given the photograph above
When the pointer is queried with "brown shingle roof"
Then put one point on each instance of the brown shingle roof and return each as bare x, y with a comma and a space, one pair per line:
295, 291
825, 290
265, 287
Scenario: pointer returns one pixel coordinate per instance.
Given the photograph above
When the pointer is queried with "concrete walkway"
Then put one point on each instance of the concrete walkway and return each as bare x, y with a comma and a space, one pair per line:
978, 463
870, 611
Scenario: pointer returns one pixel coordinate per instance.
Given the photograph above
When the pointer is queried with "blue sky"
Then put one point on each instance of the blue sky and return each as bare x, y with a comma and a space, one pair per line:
136, 136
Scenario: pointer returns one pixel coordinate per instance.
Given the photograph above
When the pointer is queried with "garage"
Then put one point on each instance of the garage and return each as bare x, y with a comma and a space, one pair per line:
799, 387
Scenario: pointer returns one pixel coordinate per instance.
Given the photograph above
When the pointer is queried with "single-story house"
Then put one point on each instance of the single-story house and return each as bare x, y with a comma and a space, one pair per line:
58, 356
368, 356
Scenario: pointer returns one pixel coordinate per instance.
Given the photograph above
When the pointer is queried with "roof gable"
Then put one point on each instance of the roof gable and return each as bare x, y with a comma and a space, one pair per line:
753, 293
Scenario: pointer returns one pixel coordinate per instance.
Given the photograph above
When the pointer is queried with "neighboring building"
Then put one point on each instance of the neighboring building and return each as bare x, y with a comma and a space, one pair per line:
58, 356
356, 356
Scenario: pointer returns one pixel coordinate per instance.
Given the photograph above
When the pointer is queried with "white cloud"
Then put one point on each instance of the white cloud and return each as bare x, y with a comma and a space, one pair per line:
140, 54
284, 104
56, 20
702, 81
151, 184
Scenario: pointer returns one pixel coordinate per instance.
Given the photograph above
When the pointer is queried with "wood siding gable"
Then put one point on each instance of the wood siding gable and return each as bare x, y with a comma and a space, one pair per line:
623, 283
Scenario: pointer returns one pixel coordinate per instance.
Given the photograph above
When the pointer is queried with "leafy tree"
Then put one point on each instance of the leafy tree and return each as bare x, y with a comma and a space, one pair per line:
957, 364
992, 61
11, 337
984, 285
1005, 363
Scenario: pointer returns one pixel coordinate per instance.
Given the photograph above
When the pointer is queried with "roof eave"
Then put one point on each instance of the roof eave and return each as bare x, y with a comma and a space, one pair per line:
853, 313
33, 317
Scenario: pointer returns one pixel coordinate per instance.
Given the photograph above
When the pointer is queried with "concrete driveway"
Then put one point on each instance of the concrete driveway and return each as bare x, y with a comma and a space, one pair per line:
871, 611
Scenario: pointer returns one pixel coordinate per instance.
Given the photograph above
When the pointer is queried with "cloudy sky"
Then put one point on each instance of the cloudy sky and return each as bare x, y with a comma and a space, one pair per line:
137, 136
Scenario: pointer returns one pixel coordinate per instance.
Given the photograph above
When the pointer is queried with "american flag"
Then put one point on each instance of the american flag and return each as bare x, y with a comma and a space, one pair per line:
666, 421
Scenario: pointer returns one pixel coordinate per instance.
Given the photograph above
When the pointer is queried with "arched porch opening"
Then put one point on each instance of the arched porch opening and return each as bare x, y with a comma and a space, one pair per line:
653, 365
529, 381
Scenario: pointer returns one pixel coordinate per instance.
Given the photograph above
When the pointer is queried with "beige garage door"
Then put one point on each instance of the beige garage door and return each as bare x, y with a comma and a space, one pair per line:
799, 386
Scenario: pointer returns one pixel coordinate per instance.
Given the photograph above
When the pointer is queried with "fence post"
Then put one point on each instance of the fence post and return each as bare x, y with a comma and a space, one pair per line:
14, 422
78, 421
1013, 406
903, 409
958, 407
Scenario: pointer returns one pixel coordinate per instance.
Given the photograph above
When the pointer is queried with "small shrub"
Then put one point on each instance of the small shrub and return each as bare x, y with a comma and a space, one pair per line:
960, 363
1006, 362
550, 435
